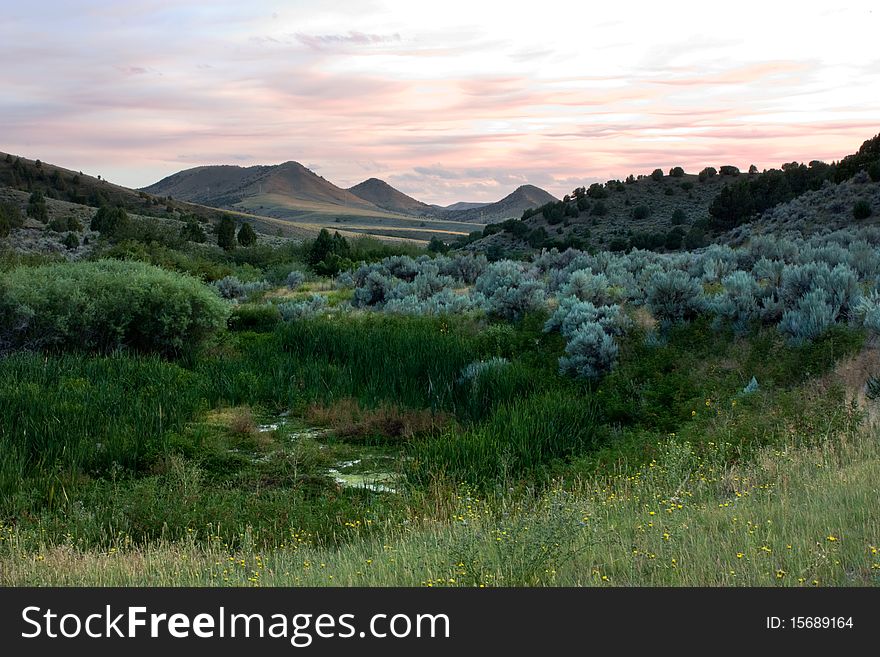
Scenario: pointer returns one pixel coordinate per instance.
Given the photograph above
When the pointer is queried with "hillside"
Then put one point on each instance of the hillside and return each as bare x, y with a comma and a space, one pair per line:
90, 192
462, 205
830, 208
231, 186
613, 215
511, 206
381, 194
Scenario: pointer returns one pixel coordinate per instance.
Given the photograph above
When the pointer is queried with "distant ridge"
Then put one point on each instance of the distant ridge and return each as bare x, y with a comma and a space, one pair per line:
381, 194
510, 207
464, 205
228, 186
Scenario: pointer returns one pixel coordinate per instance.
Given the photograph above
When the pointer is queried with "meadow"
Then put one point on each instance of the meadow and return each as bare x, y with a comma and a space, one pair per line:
695, 418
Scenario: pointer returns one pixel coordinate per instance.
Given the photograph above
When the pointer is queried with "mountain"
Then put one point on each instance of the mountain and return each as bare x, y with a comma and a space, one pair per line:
464, 205
510, 207
288, 185
381, 194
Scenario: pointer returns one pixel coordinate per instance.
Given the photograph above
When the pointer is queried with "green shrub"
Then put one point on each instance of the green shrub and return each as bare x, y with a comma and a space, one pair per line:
110, 221
246, 235
65, 224
105, 306
678, 217
641, 212
10, 217
71, 241
37, 207
862, 209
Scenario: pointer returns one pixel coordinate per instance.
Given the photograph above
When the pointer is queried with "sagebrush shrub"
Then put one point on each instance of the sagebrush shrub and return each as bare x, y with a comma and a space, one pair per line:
105, 306
810, 319
590, 352
231, 287
294, 310
674, 297
510, 289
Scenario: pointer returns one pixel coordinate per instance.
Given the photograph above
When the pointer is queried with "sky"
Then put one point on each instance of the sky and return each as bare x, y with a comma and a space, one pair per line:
447, 101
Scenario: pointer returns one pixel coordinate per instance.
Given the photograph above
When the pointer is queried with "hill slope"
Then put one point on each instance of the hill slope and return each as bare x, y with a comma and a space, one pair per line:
229, 186
510, 207
381, 194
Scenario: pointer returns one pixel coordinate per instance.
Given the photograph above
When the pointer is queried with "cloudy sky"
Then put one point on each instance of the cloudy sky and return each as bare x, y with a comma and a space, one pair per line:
451, 100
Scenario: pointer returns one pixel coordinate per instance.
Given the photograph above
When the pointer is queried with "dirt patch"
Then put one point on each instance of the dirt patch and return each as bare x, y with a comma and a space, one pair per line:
348, 419
853, 373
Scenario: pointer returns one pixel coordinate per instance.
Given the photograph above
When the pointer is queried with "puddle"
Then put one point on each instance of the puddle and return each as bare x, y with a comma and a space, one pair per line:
379, 481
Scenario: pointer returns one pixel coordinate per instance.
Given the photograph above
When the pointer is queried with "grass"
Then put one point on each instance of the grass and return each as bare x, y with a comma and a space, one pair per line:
795, 515
132, 470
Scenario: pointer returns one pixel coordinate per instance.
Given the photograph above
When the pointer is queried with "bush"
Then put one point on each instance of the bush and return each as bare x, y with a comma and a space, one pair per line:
597, 191
657, 175
65, 224
71, 241
589, 353
599, 209
510, 290
232, 288
104, 306
812, 317
10, 217
862, 210
295, 310
678, 217
295, 279
36, 207
729, 170
192, 231
674, 239
676, 172
705, 174
641, 212
675, 297
110, 221
246, 235
587, 286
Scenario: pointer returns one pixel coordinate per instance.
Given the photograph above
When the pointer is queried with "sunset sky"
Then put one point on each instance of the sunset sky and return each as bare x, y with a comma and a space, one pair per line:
446, 100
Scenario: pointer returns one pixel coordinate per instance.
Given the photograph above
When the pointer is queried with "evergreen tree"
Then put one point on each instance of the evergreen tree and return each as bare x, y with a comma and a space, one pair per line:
246, 235
226, 233
37, 207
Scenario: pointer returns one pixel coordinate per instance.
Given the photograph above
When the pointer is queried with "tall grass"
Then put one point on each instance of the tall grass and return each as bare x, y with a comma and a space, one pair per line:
792, 516
73, 415
520, 439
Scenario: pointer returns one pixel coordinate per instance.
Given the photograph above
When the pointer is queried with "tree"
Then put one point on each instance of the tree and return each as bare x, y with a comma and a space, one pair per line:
193, 231
436, 245
226, 233
753, 170
676, 172
707, 173
246, 235
657, 174
328, 254
109, 221
37, 207
10, 217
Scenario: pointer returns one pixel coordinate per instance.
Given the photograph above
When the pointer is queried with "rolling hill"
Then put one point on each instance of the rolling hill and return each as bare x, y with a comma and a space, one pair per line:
230, 186
510, 207
381, 194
